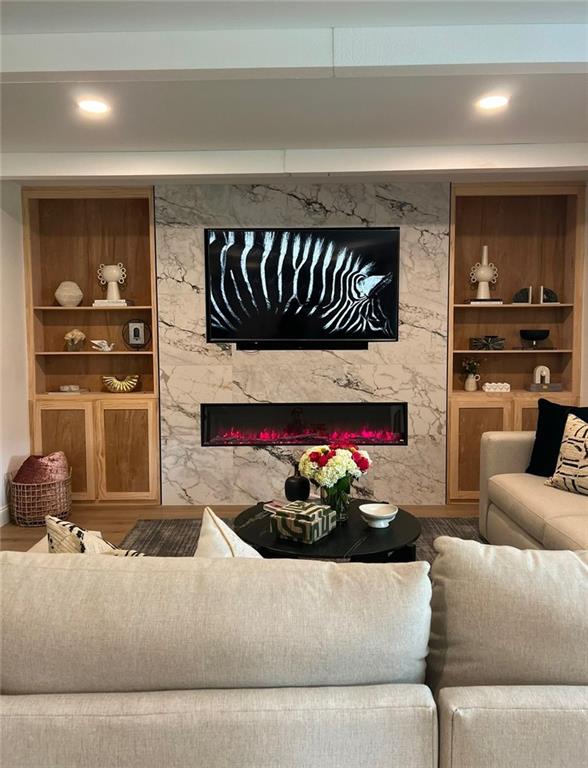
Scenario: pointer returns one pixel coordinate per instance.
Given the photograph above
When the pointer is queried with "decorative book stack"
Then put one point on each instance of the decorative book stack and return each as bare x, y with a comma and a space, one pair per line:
303, 521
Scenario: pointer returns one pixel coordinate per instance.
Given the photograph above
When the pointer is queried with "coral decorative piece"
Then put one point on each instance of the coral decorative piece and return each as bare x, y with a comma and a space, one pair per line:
120, 384
74, 339
484, 273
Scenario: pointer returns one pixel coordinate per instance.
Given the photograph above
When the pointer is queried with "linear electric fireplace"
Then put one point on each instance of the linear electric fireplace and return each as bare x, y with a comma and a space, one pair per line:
303, 423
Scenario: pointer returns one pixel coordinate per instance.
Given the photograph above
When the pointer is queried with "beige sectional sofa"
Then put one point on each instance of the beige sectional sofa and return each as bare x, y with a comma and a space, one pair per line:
185, 662
517, 508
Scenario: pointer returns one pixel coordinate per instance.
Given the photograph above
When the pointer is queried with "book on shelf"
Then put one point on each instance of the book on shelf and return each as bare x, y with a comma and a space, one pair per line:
110, 303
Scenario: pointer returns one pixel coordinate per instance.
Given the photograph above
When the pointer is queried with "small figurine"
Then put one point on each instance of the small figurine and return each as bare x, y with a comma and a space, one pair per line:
101, 345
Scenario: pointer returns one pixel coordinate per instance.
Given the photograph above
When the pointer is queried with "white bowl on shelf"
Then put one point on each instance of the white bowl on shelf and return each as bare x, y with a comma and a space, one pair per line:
378, 515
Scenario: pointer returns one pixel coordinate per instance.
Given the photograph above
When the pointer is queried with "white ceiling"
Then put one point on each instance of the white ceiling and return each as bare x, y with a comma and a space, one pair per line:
287, 113
47, 16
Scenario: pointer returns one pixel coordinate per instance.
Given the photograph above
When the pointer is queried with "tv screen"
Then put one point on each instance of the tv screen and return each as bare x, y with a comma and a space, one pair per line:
302, 285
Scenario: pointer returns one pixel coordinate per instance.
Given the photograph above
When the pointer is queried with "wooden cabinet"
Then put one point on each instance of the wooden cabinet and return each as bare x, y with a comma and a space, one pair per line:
111, 439
469, 418
127, 465
525, 409
108, 443
535, 237
69, 427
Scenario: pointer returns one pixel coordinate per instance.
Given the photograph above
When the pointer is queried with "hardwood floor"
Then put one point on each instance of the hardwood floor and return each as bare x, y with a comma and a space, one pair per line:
115, 521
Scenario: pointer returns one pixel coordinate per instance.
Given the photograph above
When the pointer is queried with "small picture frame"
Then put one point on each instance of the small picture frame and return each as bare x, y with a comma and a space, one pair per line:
136, 334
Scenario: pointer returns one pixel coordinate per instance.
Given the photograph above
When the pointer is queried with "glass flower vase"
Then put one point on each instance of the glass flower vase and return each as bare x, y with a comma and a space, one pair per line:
338, 497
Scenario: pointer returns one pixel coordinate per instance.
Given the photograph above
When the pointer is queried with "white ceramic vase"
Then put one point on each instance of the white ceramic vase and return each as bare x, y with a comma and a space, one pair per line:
68, 294
471, 382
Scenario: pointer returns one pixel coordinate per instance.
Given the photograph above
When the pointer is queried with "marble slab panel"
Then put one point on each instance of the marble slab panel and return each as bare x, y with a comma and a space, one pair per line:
192, 371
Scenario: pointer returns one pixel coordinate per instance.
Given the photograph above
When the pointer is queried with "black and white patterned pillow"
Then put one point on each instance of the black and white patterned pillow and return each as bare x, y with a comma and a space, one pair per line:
571, 471
64, 538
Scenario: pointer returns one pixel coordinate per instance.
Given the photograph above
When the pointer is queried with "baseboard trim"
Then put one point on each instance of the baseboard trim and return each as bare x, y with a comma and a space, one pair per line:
4, 516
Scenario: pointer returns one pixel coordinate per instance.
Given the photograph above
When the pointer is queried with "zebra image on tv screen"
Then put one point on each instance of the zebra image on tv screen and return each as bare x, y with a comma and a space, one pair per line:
298, 284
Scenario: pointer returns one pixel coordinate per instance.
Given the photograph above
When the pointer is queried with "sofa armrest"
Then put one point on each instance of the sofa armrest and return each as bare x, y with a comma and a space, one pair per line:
501, 453
523, 726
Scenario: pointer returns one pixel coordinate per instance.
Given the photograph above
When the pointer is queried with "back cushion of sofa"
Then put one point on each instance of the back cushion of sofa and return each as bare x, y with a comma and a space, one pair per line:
89, 624
504, 616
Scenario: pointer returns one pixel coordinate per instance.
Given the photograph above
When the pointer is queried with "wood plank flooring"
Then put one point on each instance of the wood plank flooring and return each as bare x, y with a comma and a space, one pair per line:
115, 521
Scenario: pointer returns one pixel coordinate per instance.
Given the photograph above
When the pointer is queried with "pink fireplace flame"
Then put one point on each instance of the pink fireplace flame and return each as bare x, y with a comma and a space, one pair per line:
304, 436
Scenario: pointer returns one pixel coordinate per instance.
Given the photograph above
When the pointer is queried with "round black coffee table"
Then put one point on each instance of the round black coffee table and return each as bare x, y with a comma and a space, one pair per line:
353, 540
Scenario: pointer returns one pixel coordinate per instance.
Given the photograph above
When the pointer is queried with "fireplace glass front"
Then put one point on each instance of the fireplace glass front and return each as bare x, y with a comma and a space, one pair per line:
253, 424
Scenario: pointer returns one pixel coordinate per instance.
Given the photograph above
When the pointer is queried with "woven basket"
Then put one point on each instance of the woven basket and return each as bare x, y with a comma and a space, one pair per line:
30, 502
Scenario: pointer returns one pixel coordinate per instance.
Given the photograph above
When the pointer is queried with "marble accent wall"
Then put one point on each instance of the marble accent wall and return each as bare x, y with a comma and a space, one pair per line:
192, 371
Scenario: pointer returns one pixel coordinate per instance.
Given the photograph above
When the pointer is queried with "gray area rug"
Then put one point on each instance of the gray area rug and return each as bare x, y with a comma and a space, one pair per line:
178, 538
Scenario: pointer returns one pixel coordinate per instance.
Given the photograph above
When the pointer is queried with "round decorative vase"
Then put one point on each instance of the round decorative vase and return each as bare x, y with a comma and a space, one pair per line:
471, 382
296, 487
68, 294
338, 497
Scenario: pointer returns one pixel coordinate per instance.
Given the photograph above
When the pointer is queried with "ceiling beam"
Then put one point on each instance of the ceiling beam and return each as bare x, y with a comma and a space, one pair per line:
274, 53
439, 160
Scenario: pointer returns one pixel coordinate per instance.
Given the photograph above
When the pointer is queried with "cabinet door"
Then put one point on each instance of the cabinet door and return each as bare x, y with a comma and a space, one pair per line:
68, 427
526, 410
468, 420
128, 450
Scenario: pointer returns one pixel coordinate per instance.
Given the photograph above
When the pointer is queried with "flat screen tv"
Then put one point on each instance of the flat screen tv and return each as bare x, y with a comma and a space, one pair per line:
302, 286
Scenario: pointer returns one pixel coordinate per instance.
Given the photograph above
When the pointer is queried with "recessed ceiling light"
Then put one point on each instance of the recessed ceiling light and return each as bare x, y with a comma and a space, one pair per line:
492, 102
94, 106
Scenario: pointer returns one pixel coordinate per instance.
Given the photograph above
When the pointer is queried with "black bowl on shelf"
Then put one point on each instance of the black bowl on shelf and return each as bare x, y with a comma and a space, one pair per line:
532, 336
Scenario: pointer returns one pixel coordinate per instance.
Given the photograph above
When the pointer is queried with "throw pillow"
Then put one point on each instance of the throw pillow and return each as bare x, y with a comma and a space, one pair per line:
43, 469
551, 423
218, 540
571, 472
67, 538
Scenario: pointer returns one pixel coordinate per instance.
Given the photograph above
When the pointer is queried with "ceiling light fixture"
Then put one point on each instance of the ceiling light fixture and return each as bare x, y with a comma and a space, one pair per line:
492, 102
94, 106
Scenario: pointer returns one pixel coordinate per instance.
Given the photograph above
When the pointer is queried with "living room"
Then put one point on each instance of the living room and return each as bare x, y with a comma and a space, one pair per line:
293, 310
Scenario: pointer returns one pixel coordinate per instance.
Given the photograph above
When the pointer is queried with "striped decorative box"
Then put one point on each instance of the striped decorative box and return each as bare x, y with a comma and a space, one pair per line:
303, 521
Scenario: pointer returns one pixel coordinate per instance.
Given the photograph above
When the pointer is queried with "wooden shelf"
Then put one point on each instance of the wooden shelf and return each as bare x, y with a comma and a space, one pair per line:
97, 395
512, 351
95, 354
535, 236
514, 393
93, 309
513, 306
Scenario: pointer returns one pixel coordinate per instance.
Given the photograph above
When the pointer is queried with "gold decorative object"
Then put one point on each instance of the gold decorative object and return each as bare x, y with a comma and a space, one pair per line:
120, 383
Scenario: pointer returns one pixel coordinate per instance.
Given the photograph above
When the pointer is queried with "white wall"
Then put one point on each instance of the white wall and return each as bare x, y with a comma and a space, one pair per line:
14, 426
584, 391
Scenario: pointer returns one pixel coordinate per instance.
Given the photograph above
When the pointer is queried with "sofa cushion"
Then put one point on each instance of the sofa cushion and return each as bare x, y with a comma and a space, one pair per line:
380, 726
218, 540
530, 726
156, 623
567, 532
530, 503
505, 616
551, 421
571, 472
64, 537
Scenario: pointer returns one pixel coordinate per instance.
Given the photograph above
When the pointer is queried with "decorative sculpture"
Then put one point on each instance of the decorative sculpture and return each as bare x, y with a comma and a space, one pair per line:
120, 384
542, 380
484, 273
112, 275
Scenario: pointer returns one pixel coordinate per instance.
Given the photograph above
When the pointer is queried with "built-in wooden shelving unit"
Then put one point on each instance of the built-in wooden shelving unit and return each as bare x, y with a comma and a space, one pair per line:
111, 440
535, 236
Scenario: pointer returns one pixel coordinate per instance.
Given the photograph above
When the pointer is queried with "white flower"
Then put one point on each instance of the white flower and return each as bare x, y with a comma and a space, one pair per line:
340, 465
